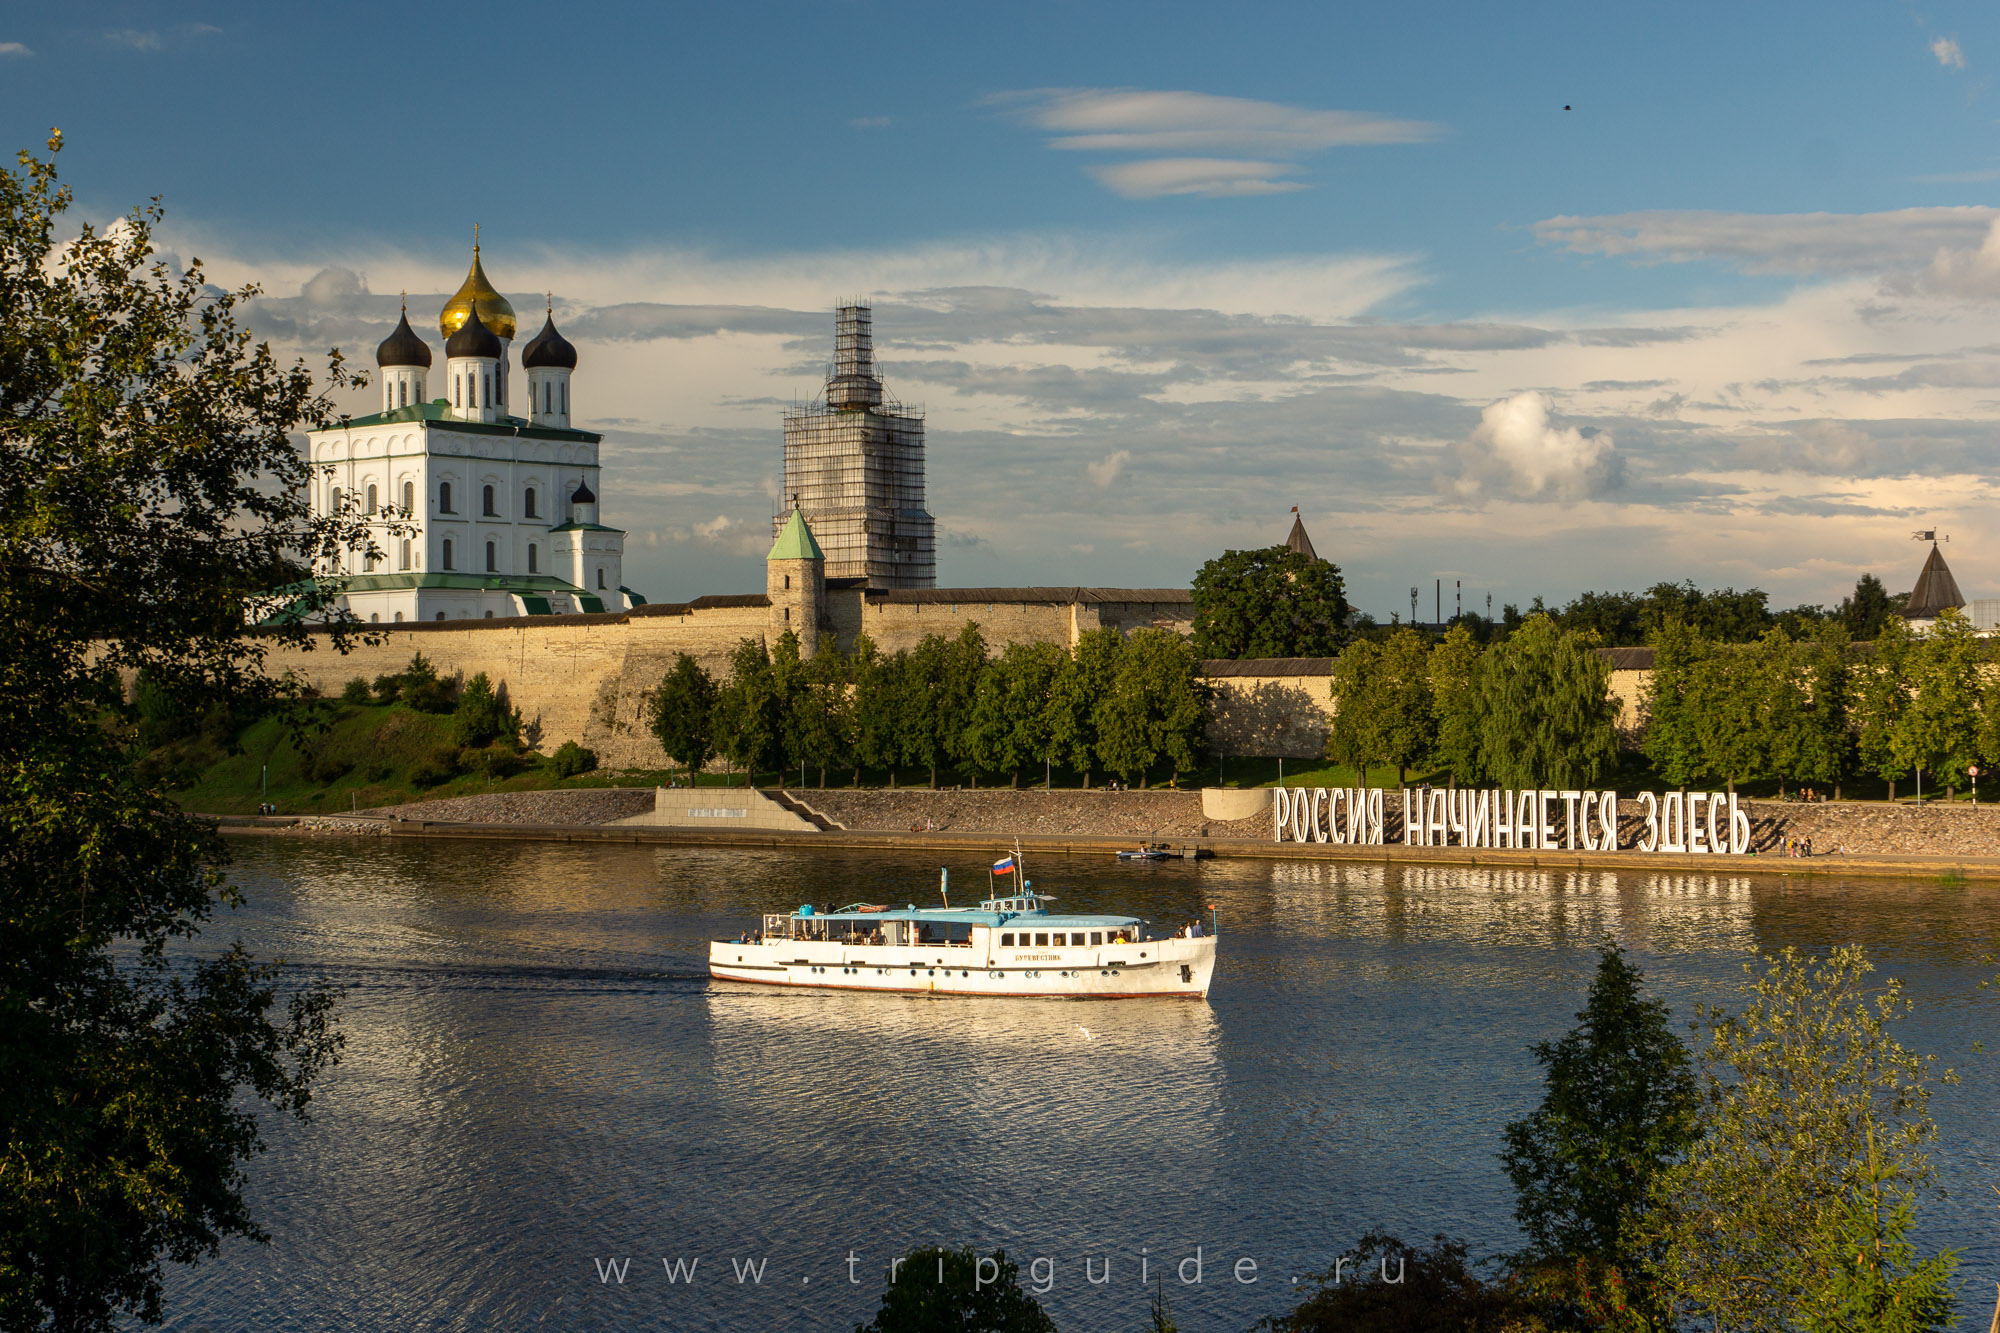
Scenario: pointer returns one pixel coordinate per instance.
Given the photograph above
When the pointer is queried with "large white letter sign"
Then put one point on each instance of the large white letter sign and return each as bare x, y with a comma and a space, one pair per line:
1281, 813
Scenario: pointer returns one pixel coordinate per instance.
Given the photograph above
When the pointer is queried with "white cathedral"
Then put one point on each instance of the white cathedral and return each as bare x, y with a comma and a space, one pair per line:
503, 507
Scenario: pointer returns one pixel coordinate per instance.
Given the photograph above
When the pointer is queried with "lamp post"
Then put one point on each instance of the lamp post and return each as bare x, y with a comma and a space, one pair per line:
1973, 773
1415, 592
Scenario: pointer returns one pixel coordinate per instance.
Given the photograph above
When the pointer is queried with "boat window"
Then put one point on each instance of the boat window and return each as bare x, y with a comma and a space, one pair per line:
1041, 939
1007, 941
1097, 937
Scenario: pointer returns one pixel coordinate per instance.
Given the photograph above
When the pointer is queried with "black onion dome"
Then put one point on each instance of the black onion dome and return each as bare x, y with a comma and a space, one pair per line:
473, 339
583, 495
403, 347
549, 348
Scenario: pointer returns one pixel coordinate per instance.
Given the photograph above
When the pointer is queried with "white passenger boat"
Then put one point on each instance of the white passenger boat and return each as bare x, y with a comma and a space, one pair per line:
1014, 945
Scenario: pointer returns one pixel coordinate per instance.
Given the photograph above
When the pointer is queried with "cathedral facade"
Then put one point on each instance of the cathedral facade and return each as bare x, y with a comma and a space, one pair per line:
481, 502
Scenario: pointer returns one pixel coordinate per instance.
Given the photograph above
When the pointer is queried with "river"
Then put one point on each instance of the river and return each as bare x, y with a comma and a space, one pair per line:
542, 1090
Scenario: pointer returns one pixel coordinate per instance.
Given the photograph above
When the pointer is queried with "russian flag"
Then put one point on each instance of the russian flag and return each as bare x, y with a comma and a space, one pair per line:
1004, 866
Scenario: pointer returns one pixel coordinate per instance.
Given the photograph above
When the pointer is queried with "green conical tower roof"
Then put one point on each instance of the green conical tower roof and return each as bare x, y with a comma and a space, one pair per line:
796, 542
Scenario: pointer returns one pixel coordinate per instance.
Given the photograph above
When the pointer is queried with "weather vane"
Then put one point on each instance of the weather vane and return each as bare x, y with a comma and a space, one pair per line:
1928, 535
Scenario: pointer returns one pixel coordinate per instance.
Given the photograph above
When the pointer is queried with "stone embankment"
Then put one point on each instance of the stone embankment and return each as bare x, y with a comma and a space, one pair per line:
1858, 828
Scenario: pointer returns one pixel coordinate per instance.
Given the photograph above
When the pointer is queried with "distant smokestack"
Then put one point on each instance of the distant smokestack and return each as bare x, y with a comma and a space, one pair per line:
854, 383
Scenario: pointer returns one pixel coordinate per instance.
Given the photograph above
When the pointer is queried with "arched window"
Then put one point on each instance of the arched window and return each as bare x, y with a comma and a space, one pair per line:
409, 497
403, 392
333, 501
486, 389
371, 497
399, 617
489, 615
565, 398
528, 503
444, 497
374, 617
491, 566
531, 557
600, 576
447, 553
548, 395
457, 384
406, 553
439, 616
486, 494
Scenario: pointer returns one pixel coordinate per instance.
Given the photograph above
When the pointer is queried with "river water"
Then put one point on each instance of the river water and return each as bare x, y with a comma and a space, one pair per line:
542, 1089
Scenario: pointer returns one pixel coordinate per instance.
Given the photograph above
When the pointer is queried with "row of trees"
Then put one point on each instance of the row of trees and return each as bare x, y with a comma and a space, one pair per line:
1821, 709
1533, 709
1116, 703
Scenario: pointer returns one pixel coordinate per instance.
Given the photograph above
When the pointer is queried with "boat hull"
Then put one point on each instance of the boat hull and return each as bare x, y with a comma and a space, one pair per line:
1147, 969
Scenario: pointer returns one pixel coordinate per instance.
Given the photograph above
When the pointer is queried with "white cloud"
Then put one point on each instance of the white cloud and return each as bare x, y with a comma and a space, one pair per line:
1973, 273
14, 49
1516, 451
870, 123
1948, 54
1107, 469
136, 38
1142, 121
714, 527
1873, 243
1211, 176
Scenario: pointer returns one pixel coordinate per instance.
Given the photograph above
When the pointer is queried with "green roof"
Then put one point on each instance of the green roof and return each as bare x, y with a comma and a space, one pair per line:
483, 582
796, 542
439, 410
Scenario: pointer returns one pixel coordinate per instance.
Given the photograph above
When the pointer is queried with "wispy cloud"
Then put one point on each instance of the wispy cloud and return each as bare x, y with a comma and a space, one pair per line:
1979, 177
1948, 53
870, 122
1106, 470
1235, 136
139, 39
14, 49
1215, 177
1800, 243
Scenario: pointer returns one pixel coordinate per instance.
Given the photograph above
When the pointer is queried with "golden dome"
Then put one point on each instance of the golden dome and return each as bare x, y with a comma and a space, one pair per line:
494, 312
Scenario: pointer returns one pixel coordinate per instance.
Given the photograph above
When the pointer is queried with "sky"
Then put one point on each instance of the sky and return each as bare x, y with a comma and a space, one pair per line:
1533, 299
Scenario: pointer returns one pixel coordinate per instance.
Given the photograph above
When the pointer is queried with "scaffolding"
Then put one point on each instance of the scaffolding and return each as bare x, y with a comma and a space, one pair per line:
854, 465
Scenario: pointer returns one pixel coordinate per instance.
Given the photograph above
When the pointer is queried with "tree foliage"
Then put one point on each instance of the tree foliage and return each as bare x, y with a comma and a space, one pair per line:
1812, 1149
1547, 718
1273, 602
681, 714
1383, 1285
937, 1290
1618, 1108
150, 495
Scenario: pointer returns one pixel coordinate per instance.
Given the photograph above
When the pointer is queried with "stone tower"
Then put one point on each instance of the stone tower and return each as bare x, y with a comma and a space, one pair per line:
795, 579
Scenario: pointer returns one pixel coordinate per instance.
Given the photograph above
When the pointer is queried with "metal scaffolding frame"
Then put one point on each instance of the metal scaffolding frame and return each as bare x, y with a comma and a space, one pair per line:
854, 465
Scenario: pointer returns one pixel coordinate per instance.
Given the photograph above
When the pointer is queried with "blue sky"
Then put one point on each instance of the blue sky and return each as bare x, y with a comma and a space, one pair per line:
1156, 273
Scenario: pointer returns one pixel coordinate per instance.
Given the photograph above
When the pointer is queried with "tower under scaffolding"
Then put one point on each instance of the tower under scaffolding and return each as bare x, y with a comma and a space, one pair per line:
854, 465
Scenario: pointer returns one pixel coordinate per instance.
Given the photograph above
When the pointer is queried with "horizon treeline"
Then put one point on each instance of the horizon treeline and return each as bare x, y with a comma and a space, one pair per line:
1113, 704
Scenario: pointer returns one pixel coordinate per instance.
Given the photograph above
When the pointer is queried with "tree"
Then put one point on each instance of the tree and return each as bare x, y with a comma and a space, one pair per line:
1009, 725
1547, 715
1431, 1290
1355, 736
965, 666
1087, 676
1156, 709
1454, 670
1863, 612
1409, 709
922, 711
823, 710
481, 717
933, 1290
1822, 746
1938, 731
749, 717
878, 698
150, 494
1619, 1107
1273, 602
681, 713
1672, 738
1881, 698
1813, 1135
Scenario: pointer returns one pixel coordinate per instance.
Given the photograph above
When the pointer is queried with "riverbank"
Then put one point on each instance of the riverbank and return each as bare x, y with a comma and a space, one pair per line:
1849, 838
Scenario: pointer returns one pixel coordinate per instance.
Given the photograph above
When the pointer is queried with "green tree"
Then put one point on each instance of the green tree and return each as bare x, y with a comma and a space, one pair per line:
749, 717
1880, 700
1087, 676
1863, 612
1409, 707
1385, 1286
965, 666
878, 702
1815, 1122
1672, 740
1009, 725
1273, 602
482, 716
150, 493
1156, 708
822, 717
922, 710
1619, 1106
1356, 735
1547, 715
1938, 732
681, 713
933, 1290
1729, 703
1454, 670
1822, 746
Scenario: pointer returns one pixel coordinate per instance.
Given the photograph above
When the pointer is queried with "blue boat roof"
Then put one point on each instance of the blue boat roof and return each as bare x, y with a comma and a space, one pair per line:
962, 916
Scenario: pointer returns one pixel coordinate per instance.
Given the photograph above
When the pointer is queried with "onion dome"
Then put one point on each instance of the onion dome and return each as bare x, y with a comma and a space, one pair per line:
403, 347
583, 495
473, 339
477, 293
549, 348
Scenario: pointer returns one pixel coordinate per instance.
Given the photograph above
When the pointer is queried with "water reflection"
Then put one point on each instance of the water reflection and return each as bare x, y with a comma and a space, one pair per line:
539, 1076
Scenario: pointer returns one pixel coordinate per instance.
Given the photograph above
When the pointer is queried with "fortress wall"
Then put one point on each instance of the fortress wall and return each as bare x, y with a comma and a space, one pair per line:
1270, 716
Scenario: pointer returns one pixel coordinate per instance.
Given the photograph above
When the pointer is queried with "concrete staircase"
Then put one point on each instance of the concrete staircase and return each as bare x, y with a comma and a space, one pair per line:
797, 805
